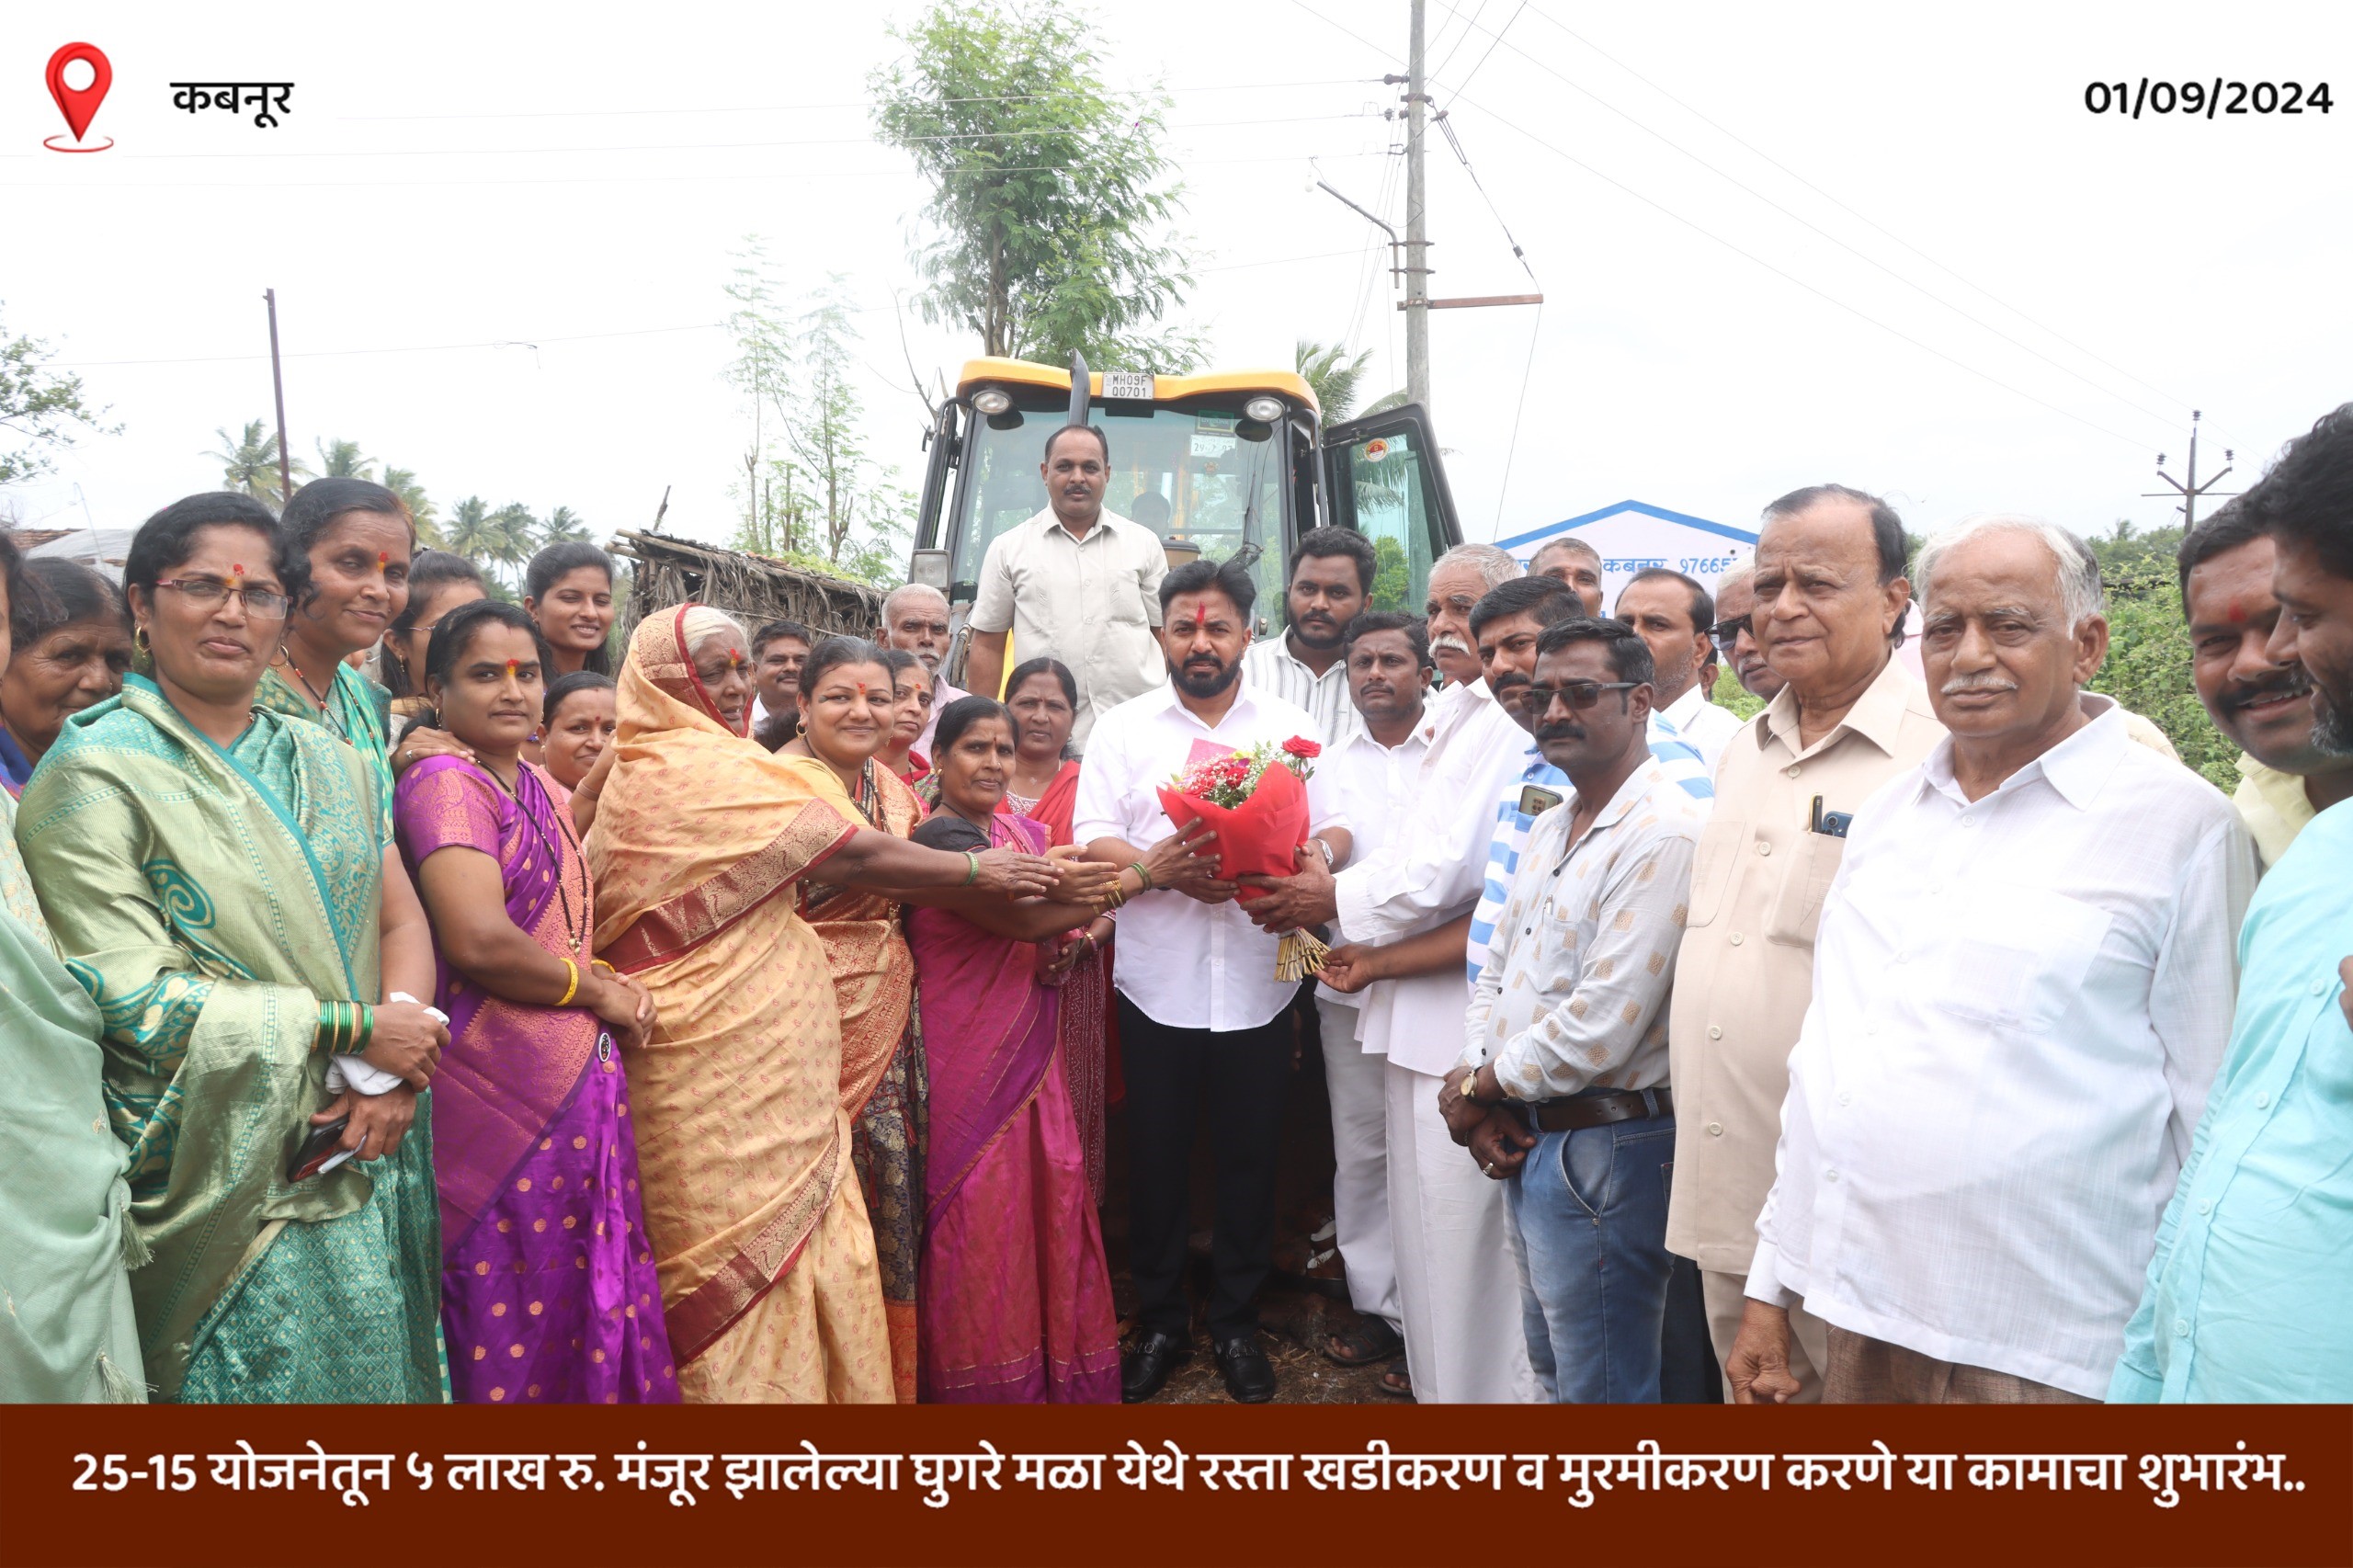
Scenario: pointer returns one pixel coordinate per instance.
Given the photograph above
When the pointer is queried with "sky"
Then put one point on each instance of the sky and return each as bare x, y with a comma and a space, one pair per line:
1883, 245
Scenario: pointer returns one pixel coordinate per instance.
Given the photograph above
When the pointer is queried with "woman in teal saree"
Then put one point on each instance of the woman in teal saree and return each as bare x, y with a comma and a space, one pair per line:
220, 878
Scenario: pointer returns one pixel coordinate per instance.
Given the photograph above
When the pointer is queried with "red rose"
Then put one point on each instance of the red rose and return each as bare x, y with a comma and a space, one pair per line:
1301, 747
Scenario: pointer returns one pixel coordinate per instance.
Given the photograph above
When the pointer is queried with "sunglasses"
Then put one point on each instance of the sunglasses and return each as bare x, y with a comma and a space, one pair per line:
1579, 695
1725, 633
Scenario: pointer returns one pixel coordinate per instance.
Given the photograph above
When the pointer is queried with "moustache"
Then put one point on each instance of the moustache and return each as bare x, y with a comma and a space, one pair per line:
1559, 733
1447, 643
1976, 683
2246, 692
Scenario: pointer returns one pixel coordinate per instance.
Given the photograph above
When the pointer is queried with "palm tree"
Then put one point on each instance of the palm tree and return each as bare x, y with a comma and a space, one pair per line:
516, 528
342, 459
563, 527
249, 463
471, 533
1331, 375
403, 482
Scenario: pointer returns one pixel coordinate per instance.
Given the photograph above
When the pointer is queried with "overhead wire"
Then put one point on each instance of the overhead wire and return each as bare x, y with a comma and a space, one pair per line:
1818, 230
1664, 209
1860, 218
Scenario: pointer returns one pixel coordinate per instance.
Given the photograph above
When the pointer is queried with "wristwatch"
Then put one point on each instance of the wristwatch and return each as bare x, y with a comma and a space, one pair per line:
1470, 1090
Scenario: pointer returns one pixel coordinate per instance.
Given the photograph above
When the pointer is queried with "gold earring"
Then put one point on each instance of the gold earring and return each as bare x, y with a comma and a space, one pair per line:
139, 640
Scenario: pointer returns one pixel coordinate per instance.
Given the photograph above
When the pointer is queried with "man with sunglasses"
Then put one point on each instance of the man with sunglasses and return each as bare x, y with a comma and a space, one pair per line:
1735, 642
1565, 1053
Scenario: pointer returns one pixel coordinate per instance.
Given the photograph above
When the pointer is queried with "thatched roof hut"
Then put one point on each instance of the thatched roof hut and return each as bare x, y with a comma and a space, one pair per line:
753, 588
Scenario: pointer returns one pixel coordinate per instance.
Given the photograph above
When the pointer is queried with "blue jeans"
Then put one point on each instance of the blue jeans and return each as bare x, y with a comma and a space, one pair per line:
1590, 1209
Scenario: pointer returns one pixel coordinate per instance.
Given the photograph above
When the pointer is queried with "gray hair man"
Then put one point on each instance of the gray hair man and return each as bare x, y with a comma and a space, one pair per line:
1735, 642
916, 621
1830, 598
2023, 988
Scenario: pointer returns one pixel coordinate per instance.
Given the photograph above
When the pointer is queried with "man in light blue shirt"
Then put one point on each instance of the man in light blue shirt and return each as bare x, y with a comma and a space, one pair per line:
2247, 1294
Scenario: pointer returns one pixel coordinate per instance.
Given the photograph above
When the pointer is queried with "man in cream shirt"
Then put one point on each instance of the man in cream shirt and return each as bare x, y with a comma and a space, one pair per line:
1075, 583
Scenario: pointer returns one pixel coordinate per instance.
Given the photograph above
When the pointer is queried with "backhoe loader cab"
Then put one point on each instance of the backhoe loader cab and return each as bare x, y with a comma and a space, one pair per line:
1222, 465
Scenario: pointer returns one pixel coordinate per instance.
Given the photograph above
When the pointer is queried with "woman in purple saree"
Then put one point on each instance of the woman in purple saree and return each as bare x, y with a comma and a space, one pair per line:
1013, 1298
547, 1291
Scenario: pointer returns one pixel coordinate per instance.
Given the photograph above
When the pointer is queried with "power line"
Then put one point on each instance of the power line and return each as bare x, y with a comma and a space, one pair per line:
1464, 84
1746, 254
1864, 256
1924, 256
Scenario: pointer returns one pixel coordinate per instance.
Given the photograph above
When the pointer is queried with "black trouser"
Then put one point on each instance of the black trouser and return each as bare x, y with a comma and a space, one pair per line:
1169, 1072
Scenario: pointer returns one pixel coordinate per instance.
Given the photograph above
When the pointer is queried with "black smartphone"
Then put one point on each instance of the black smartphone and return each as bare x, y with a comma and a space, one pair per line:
319, 1152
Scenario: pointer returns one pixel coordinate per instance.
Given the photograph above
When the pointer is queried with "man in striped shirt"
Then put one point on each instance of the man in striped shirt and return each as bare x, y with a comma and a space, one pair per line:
1330, 585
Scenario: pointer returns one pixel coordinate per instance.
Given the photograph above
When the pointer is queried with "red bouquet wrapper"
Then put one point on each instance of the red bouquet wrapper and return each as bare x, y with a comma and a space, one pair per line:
1261, 836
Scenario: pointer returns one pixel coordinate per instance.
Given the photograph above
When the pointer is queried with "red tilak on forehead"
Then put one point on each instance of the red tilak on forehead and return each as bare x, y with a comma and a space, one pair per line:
383, 558
2238, 610
237, 571
513, 665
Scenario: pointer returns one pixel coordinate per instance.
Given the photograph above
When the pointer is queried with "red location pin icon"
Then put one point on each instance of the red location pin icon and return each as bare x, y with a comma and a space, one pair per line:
79, 105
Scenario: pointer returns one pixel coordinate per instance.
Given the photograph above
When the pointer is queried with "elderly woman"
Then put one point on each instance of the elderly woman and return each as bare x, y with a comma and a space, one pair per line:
69, 1332
72, 631
223, 880
759, 1226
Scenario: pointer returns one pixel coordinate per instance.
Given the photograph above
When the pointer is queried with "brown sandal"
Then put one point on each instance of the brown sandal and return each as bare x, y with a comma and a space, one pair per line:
1367, 1343
1396, 1382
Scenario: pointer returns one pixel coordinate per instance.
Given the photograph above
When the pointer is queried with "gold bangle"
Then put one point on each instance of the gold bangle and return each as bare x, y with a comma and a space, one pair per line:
570, 991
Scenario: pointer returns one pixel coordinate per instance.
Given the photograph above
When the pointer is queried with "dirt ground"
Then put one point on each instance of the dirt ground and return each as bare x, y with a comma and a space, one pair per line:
1295, 1311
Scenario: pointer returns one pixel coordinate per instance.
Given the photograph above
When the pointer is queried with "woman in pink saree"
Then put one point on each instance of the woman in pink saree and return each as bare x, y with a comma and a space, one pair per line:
1013, 1297
549, 1293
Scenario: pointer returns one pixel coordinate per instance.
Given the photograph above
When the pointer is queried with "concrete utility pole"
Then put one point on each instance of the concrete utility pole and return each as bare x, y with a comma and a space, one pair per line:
277, 385
1417, 262
2191, 492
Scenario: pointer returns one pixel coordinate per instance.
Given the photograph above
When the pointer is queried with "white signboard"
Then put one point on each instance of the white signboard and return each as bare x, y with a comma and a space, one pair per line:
1632, 537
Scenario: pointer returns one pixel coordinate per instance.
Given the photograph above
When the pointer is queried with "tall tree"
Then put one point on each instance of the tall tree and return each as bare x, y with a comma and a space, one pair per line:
249, 462
1333, 377
848, 487
562, 527
342, 459
403, 482
470, 533
40, 409
517, 533
1049, 222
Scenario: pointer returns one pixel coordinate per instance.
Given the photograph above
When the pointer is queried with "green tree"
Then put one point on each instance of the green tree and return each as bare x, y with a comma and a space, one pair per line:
562, 527
403, 482
1333, 377
40, 409
1050, 220
516, 532
859, 513
342, 459
2147, 668
249, 462
471, 533
1393, 580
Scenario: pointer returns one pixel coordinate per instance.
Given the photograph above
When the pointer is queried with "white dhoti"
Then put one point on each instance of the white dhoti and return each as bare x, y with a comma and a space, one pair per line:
1456, 1283
1353, 1081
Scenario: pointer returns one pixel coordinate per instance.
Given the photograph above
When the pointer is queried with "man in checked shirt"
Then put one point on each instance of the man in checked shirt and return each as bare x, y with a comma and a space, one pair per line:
1562, 1092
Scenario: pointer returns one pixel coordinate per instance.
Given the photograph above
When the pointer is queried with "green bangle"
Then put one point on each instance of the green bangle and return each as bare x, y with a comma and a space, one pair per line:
365, 1034
972, 868
1141, 875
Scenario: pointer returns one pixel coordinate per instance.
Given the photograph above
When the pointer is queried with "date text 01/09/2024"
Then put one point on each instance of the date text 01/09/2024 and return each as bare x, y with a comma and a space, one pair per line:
2207, 98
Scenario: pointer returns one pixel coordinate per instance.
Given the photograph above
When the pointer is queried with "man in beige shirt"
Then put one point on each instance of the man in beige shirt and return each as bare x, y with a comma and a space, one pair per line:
1075, 583
1830, 597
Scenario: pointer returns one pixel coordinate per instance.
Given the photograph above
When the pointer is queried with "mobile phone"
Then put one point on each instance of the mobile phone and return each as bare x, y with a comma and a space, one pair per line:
1535, 801
319, 1154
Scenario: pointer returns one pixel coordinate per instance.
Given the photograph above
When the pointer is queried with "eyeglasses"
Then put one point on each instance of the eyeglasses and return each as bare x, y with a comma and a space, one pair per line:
1579, 695
209, 592
1725, 633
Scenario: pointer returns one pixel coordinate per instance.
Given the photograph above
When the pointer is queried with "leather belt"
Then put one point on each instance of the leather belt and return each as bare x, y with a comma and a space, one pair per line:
1581, 1111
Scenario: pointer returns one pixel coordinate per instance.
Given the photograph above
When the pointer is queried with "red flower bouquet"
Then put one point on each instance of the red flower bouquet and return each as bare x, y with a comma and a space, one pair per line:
1256, 802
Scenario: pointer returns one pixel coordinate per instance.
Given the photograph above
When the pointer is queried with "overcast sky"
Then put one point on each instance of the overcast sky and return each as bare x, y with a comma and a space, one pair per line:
1762, 231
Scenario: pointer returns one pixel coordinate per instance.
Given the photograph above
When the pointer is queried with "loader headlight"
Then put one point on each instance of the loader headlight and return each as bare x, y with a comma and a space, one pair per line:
1266, 409
992, 400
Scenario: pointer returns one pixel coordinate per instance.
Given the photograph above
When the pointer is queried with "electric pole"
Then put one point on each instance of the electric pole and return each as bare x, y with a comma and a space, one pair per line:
2191, 491
1417, 263
277, 385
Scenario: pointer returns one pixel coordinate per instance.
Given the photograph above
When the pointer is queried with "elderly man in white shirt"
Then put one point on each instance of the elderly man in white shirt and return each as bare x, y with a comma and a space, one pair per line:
914, 621
2023, 986
1075, 583
1458, 1291
1373, 773
1201, 1010
1675, 613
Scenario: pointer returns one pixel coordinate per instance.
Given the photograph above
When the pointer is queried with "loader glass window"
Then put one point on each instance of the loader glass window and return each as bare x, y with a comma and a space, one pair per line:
1184, 474
1393, 510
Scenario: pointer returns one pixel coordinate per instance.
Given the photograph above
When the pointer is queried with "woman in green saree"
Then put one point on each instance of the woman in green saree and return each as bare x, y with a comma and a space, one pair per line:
222, 880
67, 1333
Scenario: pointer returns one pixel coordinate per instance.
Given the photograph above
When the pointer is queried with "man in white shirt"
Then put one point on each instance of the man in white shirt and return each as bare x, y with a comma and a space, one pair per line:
2023, 985
1201, 1012
1330, 585
1674, 614
1458, 1291
914, 621
1075, 583
778, 650
1562, 1091
1371, 773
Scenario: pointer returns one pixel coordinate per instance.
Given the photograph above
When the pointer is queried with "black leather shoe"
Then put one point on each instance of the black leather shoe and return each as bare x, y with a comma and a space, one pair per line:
1249, 1376
1143, 1369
